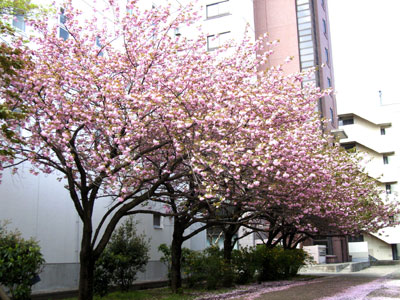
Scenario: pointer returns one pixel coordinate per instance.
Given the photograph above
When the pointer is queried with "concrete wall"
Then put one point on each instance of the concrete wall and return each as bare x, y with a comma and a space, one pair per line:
278, 19
359, 251
366, 133
322, 33
65, 277
58, 277
378, 249
317, 252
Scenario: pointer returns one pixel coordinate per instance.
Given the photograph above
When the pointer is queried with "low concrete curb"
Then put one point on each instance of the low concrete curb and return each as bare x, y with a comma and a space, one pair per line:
348, 267
385, 262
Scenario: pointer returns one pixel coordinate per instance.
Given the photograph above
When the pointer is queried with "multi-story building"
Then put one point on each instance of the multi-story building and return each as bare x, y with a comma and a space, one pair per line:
302, 27
373, 133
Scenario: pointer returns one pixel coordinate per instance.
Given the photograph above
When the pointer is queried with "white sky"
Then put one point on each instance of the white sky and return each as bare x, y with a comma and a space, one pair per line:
366, 51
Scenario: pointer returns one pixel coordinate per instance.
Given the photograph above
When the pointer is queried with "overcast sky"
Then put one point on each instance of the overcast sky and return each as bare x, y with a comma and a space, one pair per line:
366, 51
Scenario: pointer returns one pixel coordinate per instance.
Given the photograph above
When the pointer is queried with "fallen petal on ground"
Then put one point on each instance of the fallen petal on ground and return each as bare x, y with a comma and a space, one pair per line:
359, 292
256, 290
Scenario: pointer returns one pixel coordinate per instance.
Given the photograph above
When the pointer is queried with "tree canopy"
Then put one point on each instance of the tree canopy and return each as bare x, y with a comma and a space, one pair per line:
127, 109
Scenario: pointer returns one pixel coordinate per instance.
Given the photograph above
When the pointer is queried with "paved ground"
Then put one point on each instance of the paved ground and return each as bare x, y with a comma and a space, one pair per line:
374, 283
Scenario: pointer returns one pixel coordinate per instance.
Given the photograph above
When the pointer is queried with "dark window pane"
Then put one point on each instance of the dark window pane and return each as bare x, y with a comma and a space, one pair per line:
64, 34
19, 22
348, 121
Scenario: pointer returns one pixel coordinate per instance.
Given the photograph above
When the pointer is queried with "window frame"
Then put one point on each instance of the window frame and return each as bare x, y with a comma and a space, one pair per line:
385, 159
346, 121
324, 26
18, 22
327, 58
215, 36
157, 221
220, 14
63, 32
332, 116
388, 188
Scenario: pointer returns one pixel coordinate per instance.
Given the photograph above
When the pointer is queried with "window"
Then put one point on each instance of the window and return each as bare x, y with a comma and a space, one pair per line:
305, 26
329, 82
346, 121
357, 238
307, 64
306, 19
388, 189
332, 118
323, 3
300, 2
215, 41
305, 38
98, 44
306, 51
349, 146
385, 160
324, 25
19, 22
383, 131
307, 44
218, 9
327, 55
63, 32
303, 13
63, 18
157, 221
309, 57
305, 32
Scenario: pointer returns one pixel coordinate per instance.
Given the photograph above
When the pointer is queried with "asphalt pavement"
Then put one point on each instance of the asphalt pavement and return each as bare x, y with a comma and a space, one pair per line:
373, 283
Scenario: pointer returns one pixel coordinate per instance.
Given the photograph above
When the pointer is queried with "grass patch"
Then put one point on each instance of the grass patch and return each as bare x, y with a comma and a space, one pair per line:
166, 294
150, 294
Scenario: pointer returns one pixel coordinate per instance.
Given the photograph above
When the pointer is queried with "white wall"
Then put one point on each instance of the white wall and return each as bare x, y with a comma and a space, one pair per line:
366, 131
359, 251
378, 249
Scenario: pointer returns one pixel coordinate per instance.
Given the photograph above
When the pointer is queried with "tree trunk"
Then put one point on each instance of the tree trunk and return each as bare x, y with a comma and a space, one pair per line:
3, 295
228, 245
176, 256
87, 263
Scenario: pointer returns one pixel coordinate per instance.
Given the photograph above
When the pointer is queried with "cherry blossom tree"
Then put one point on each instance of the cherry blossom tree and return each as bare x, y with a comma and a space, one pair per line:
144, 109
118, 121
9, 58
147, 113
311, 187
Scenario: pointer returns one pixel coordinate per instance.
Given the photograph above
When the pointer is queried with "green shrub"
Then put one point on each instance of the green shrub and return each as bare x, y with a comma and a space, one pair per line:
278, 263
209, 267
244, 264
20, 262
191, 264
124, 256
217, 271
